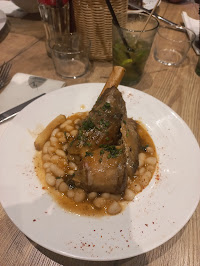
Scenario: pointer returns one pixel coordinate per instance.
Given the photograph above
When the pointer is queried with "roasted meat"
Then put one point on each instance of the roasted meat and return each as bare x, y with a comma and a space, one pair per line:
107, 144
131, 142
102, 125
103, 171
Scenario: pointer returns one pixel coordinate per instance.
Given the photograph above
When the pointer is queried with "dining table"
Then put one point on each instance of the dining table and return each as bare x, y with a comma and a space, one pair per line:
22, 43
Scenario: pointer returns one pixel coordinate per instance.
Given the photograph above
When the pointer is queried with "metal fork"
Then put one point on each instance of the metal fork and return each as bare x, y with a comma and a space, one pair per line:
4, 72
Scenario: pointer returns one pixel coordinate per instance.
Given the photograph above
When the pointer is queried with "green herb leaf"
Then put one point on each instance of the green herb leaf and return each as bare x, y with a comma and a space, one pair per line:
106, 106
88, 124
88, 154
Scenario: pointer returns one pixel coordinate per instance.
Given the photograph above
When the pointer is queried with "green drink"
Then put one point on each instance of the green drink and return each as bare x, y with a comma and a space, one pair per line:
133, 61
134, 55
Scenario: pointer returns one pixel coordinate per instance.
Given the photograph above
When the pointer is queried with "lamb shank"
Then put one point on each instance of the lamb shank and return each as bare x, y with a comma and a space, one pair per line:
107, 144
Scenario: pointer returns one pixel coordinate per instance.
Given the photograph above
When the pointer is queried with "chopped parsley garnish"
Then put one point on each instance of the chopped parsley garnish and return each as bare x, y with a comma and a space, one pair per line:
102, 152
88, 124
87, 144
58, 177
113, 151
71, 143
65, 133
124, 121
88, 154
127, 133
104, 123
106, 106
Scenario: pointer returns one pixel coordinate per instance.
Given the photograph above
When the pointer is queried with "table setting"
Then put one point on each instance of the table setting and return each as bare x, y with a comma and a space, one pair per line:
63, 65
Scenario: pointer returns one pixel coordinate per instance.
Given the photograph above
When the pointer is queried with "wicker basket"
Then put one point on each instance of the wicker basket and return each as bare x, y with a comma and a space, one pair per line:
94, 21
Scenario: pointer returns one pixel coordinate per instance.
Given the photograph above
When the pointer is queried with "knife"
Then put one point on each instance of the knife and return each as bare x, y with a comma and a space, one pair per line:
15, 110
154, 14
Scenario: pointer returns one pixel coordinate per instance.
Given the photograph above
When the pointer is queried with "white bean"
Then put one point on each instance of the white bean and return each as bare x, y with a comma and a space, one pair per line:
62, 139
47, 170
47, 144
54, 159
150, 168
67, 135
58, 182
67, 122
146, 178
92, 195
141, 157
151, 160
74, 133
63, 187
105, 195
46, 158
56, 170
150, 149
45, 147
50, 179
70, 172
46, 165
129, 195
68, 128
77, 121
79, 195
99, 202
54, 141
65, 147
114, 208
51, 150
60, 134
142, 170
54, 132
70, 193
136, 187
61, 153
72, 166
115, 197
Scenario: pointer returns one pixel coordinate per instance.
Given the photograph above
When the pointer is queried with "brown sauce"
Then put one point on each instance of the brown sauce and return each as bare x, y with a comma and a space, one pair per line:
135, 183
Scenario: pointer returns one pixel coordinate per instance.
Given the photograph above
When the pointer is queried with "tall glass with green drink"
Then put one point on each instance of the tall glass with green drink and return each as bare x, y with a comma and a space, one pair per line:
134, 54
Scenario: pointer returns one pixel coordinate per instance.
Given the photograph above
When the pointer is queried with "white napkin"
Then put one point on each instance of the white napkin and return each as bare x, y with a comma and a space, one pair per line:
24, 87
11, 10
192, 24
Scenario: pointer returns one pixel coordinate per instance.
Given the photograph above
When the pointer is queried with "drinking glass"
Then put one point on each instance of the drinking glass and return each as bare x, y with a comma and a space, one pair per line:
70, 55
172, 44
133, 55
56, 20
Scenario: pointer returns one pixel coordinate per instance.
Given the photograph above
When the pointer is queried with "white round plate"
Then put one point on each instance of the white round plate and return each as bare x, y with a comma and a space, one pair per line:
3, 19
156, 214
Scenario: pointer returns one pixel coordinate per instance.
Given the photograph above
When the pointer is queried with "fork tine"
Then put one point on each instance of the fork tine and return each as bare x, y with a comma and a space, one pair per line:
5, 72
2, 68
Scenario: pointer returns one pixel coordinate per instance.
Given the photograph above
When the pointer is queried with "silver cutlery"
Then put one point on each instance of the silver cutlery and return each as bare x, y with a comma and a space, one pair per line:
4, 73
14, 111
154, 14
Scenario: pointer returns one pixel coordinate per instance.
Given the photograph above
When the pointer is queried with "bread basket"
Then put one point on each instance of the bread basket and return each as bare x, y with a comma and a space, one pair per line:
94, 21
